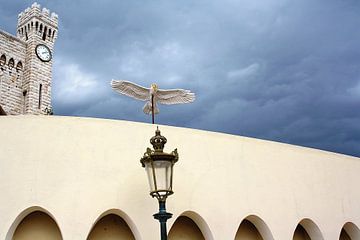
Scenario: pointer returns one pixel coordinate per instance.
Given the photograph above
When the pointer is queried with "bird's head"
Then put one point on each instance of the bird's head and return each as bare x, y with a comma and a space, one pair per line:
153, 87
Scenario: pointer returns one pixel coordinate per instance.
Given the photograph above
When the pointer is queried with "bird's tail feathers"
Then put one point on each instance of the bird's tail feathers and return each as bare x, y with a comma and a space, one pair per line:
147, 108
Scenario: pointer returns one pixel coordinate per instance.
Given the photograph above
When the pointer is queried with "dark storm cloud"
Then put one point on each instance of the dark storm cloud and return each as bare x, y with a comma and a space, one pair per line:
281, 70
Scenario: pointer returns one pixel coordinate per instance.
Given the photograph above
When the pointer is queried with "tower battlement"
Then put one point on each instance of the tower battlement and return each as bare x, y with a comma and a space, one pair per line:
40, 21
36, 11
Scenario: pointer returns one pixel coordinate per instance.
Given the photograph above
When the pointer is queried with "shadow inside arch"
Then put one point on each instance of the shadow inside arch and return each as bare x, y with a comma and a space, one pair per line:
260, 225
122, 215
352, 230
311, 229
199, 221
23, 214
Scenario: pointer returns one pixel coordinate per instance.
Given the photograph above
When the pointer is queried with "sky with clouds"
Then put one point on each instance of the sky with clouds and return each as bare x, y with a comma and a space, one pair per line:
281, 70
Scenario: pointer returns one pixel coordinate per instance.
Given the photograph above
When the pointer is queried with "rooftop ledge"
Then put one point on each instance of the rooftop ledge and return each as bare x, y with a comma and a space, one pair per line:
51, 123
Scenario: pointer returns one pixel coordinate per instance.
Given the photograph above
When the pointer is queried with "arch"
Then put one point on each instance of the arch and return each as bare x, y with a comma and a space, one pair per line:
36, 25
11, 63
41, 27
2, 111
253, 227
184, 228
200, 223
122, 216
53, 34
19, 66
349, 231
307, 229
23, 215
2, 60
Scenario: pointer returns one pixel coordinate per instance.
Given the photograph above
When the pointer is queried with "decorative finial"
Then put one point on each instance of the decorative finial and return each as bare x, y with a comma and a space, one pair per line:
158, 141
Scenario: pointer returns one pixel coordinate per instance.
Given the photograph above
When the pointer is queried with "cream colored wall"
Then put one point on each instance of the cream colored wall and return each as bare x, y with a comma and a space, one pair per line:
77, 169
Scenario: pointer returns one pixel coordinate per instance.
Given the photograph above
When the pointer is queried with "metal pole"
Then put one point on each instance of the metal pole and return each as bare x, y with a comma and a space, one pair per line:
152, 108
162, 216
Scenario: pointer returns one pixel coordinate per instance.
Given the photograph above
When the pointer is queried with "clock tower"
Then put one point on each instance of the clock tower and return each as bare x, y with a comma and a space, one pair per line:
38, 29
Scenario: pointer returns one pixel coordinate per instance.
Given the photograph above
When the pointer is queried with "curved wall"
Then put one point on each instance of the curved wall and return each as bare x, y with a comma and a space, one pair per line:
79, 168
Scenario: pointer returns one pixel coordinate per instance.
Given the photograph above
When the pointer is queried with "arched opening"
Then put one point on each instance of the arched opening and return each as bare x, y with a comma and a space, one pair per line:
36, 26
53, 34
247, 231
307, 230
37, 225
2, 111
184, 228
253, 228
2, 60
19, 66
11, 63
111, 227
349, 232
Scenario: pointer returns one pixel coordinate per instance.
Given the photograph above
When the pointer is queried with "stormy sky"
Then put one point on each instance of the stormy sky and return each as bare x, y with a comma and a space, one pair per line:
281, 70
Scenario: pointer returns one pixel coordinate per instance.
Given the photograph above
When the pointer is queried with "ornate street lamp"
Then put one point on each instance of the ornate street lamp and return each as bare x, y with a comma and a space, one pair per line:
159, 168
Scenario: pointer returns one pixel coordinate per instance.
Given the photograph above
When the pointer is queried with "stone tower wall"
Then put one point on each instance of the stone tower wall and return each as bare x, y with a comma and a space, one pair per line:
20, 84
36, 26
11, 77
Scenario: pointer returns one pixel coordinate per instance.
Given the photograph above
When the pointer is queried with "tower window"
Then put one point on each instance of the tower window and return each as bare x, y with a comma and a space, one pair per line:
11, 63
2, 60
44, 34
40, 90
19, 66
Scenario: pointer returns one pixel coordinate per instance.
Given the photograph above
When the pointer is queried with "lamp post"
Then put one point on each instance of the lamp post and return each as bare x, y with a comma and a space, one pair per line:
159, 168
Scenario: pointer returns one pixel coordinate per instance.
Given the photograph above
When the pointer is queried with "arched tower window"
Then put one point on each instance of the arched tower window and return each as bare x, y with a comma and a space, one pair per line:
40, 30
44, 34
11, 63
36, 26
19, 66
2, 60
53, 35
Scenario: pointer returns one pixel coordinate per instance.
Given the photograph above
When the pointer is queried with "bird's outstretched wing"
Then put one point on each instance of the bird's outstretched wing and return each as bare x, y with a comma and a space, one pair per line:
175, 96
130, 89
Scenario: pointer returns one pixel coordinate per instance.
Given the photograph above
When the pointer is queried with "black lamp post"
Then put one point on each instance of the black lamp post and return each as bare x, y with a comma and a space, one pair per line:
159, 168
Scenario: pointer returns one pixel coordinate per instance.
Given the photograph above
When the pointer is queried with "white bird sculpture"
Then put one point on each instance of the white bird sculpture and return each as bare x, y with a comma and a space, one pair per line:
152, 95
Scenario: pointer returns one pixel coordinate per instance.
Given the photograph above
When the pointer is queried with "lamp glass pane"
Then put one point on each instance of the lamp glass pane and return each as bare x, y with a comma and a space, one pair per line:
149, 173
163, 175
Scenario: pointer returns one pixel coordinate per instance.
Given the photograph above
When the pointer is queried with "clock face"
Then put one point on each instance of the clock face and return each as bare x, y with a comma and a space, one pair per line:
43, 52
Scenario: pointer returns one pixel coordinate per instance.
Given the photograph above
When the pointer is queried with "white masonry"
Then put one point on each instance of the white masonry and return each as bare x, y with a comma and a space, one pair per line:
25, 76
